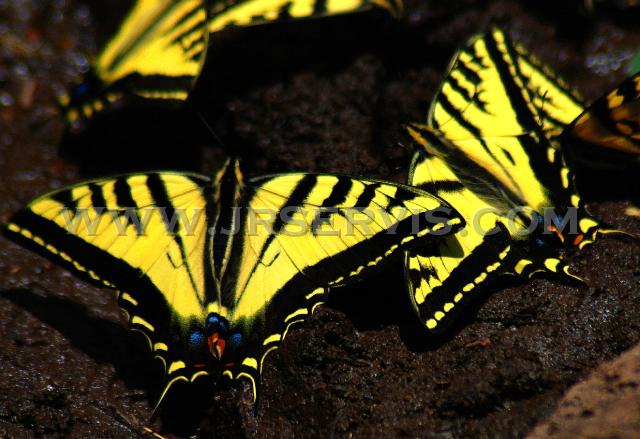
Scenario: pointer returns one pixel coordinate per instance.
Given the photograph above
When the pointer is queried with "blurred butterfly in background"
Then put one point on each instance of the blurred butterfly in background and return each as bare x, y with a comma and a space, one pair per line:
158, 52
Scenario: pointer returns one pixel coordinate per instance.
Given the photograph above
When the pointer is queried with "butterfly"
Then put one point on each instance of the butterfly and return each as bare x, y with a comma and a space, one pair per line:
157, 53
214, 272
483, 148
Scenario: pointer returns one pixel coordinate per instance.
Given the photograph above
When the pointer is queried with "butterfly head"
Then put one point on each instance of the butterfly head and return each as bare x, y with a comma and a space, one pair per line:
562, 230
229, 172
546, 237
573, 228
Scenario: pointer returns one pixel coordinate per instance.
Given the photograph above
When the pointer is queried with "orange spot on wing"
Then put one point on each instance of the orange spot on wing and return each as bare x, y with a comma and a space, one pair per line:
578, 239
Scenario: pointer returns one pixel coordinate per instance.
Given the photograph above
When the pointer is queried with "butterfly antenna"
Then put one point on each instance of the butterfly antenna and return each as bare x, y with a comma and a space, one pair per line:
210, 129
149, 431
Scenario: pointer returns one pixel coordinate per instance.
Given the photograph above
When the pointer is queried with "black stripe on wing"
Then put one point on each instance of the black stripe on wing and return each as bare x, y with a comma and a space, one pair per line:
171, 221
513, 91
66, 199
300, 193
338, 196
481, 266
101, 268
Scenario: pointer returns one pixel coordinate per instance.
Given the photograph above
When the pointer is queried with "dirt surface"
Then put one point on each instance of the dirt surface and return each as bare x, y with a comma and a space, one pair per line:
324, 96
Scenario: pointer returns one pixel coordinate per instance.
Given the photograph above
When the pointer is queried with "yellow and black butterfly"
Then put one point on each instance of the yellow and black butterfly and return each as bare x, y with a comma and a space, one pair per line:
483, 147
159, 50
214, 272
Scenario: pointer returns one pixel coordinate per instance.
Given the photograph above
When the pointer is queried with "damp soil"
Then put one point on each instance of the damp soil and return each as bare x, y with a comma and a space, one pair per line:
328, 95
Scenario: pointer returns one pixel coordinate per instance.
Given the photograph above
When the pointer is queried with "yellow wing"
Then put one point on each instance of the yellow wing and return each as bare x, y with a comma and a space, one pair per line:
613, 121
555, 102
157, 54
490, 143
485, 112
167, 243
250, 12
143, 235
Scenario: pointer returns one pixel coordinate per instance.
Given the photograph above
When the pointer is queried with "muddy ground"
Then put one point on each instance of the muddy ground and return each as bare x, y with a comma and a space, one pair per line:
323, 96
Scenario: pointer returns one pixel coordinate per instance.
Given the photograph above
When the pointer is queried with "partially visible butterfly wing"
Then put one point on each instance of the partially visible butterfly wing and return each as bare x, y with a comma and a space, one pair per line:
313, 232
441, 275
446, 272
143, 235
156, 54
250, 12
555, 102
481, 110
485, 111
613, 121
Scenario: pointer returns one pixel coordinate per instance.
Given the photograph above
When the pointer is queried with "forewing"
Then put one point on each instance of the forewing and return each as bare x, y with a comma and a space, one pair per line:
556, 103
486, 112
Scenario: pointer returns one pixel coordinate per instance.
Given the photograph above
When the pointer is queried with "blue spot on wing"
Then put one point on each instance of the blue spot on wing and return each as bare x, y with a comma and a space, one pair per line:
235, 340
196, 338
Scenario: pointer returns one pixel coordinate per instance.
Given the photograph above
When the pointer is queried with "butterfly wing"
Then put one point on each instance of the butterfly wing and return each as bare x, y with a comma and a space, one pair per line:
442, 275
556, 104
613, 121
143, 235
146, 236
315, 232
251, 12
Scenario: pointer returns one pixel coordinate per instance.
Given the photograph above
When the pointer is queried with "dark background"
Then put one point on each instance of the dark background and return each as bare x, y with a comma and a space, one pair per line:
327, 95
